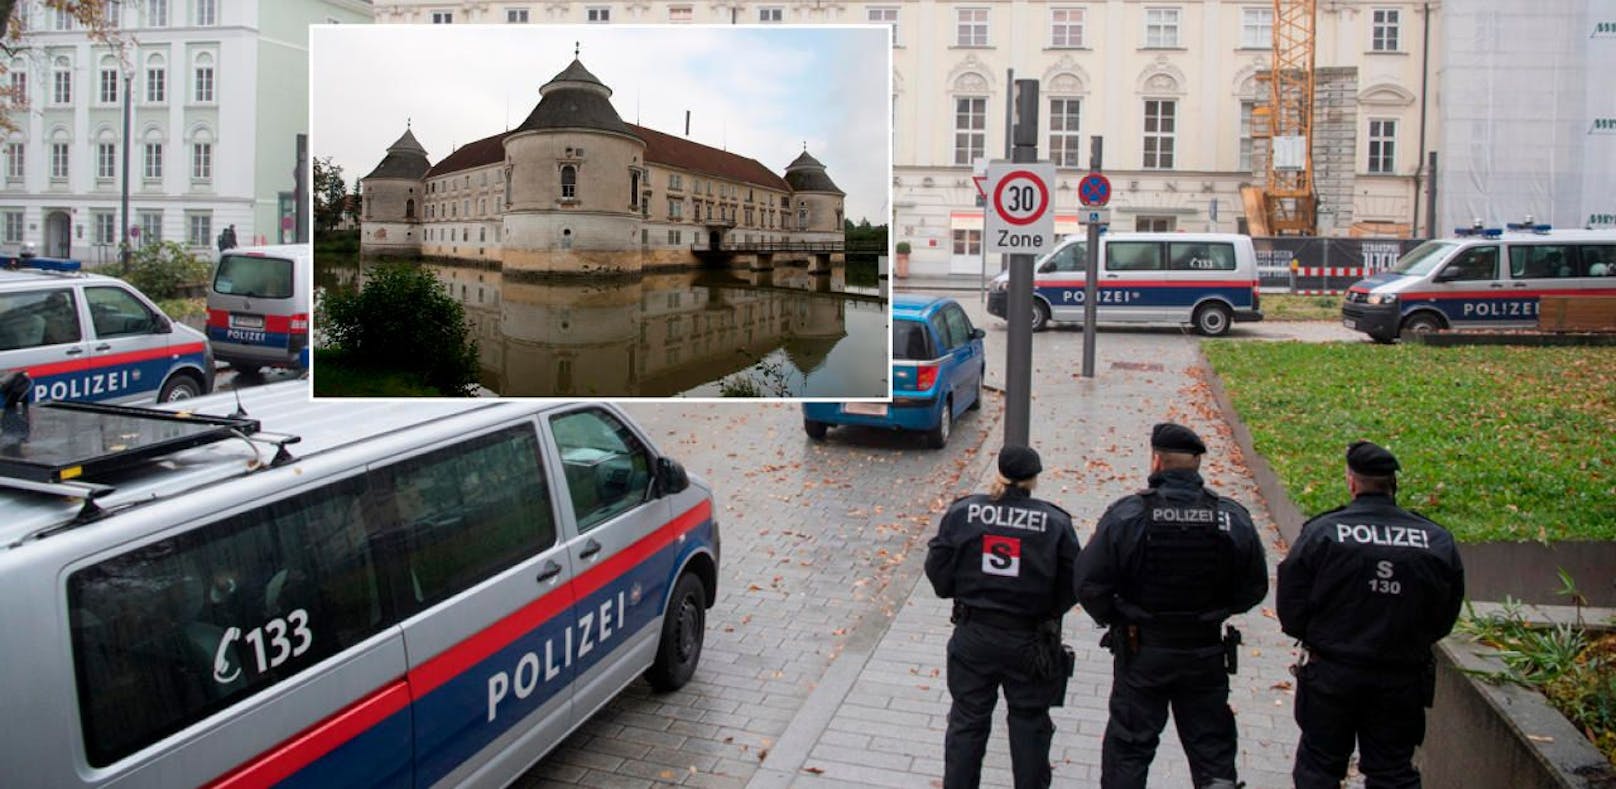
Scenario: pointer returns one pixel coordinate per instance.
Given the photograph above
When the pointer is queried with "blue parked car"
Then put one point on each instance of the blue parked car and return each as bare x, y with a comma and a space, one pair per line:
937, 367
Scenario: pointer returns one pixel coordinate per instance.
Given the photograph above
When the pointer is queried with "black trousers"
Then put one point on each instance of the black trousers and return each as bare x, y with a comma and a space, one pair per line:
1193, 683
981, 659
1383, 711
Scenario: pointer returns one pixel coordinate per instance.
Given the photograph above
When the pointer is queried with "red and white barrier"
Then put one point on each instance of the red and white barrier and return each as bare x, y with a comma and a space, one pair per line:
1332, 271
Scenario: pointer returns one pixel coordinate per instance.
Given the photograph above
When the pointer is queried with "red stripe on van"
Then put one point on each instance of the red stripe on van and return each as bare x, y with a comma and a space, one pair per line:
318, 740
604, 573
274, 324
129, 357
1149, 283
1508, 293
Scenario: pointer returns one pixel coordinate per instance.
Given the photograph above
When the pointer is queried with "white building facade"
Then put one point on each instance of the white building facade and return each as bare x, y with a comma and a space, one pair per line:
1168, 84
218, 93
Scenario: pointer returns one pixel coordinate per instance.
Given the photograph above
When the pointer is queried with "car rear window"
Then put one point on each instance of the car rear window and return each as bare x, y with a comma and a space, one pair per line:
910, 340
253, 276
1200, 256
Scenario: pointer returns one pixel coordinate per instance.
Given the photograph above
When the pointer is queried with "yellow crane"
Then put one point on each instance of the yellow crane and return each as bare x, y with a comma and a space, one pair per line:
1286, 204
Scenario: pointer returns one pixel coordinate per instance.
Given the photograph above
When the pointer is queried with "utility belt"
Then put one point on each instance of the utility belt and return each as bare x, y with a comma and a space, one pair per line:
987, 616
1425, 670
1048, 660
1124, 641
1195, 637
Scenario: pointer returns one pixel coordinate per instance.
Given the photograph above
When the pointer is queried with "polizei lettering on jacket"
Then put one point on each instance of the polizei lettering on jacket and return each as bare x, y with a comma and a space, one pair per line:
1008, 517
83, 386
590, 632
1376, 534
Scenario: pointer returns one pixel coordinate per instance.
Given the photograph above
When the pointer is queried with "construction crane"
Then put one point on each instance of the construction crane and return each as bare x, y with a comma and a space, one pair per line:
1286, 204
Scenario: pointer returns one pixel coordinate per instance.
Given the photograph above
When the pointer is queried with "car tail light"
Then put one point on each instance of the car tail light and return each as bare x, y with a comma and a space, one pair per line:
1256, 298
925, 376
300, 322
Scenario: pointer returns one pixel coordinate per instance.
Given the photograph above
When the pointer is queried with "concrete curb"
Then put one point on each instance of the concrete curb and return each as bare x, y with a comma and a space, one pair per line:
1287, 517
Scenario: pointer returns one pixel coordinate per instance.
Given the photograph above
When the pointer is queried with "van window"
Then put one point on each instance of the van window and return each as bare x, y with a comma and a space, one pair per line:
911, 342
253, 276
1474, 264
35, 318
608, 470
172, 632
1420, 260
1542, 261
115, 312
1071, 257
1599, 260
1133, 256
464, 513
1200, 256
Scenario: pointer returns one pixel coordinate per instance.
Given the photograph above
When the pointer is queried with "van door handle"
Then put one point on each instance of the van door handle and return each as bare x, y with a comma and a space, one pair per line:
590, 549
73, 351
1520, 284
1496, 285
1112, 276
104, 347
549, 570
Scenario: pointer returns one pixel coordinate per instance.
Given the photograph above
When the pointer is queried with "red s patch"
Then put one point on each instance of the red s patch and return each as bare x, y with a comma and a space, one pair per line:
1001, 555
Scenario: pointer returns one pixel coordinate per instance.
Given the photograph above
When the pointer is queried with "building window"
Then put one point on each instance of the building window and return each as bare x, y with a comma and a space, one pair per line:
19, 87
1382, 146
679, 13
14, 160
1257, 28
1066, 27
207, 13
971, 28
202, 161
442, 17
967, 242
13, 227
62, 83
62, 19
106, 228
157, 13
199, 229
676, 208
1159, 134
154, 160
771, 14
884, 15
675, 182
970, 129
109, 86
1161, 27
516, 16
1065, 144
151, 227
1154, 224
156, 84
598, 15
675, 236
1246, 110
569, 183
106, 161
58, 161
204, 80
1383, 30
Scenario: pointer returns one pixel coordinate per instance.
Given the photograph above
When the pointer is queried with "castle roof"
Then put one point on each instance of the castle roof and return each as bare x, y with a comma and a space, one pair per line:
806, 174
574, 99
488, 150
405, 159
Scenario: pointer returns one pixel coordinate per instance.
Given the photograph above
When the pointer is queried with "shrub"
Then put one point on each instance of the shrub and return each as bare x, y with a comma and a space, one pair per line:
160, 270
401, 320
903, 247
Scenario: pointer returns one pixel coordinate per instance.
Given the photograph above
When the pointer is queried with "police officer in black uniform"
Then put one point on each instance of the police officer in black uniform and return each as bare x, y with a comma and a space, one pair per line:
1367, 588
1164, 569
1007, 560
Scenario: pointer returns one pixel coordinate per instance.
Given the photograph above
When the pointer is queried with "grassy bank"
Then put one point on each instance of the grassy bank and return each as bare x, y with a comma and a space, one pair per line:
1288, 307
1497, 443
335, 376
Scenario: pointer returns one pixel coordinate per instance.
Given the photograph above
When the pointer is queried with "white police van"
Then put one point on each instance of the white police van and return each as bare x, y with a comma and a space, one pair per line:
258, 306
1481, 278
1207, 280
86, 336
373, 594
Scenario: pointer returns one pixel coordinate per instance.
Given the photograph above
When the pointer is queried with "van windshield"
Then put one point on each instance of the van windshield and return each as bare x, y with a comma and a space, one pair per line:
1071, 257
257, 277
1422, 259
910, 341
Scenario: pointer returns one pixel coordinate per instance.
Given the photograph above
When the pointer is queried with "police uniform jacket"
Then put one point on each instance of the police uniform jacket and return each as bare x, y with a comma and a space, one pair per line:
1371, 583
1126, 576
1014, 556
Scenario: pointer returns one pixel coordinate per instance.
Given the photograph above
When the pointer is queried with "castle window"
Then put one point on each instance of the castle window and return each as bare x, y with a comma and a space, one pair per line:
634, 189
569, 182
566, 238
409, 209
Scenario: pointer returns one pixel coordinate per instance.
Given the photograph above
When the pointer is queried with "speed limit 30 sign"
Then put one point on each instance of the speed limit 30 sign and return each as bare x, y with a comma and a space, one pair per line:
1020, 214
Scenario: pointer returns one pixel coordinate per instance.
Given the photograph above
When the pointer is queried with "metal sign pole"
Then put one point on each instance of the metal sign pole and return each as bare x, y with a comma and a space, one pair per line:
1091, 273
1018, 306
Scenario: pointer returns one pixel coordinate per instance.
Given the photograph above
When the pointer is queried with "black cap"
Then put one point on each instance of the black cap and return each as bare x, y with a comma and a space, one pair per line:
1017, 463
1170, 437
1371, 460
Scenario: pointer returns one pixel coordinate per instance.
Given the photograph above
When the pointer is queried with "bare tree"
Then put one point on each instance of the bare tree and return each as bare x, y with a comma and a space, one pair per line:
95, 17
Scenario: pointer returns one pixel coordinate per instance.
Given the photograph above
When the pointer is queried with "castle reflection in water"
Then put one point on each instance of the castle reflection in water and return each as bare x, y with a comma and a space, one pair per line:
776, 333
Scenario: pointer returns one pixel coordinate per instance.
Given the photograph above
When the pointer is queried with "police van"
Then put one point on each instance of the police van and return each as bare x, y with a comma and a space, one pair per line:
270, 589
258, 306
1207, 280
83, 336
1481, 278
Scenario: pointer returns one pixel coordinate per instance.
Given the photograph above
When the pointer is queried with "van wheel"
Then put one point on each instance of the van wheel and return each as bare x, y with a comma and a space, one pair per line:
937, 437
1422, 323
1212, 319
180, 386
815, 430
1040, 315
684, 625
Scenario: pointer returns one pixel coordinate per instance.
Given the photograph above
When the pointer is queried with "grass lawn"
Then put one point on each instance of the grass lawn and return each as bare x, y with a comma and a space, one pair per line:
335, 377
1497, 443
1288, 307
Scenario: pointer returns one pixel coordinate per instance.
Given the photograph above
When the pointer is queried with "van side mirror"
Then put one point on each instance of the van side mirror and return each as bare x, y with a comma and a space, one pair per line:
1448, 274
670, 477
162, 325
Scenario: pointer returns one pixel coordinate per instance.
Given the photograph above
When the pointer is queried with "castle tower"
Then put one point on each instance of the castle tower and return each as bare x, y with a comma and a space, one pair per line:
816, 202
575, 173
390, 223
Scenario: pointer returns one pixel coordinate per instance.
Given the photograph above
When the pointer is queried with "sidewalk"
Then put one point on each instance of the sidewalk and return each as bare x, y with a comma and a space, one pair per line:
887, 728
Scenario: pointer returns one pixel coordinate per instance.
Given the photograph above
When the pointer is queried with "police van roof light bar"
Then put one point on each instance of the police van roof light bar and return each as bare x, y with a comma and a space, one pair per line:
1529, 227
43, 264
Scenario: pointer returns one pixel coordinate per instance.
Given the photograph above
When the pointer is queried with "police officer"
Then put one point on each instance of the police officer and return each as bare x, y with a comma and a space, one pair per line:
1367, 588
1006, 559
1163, 570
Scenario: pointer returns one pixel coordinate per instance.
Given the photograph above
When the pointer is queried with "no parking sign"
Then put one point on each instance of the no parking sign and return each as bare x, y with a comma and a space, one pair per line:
1020, 214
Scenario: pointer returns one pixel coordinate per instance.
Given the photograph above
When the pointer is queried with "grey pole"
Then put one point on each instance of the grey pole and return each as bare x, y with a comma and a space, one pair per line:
1018, 306
123, 249
301, 187
1091, 272
1431, 229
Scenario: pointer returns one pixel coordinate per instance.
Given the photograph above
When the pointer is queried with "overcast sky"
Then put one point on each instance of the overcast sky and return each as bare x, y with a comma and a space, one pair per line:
755, 91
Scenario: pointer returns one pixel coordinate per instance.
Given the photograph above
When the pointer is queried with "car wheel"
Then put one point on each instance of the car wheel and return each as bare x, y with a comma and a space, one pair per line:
815, 430
976, 403
1212, 320
1422, 323
684, 626
180, 386
937, 437
1382, 339
1040, 315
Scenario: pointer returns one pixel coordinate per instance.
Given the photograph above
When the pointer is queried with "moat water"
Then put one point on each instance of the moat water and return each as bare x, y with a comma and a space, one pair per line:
779, 333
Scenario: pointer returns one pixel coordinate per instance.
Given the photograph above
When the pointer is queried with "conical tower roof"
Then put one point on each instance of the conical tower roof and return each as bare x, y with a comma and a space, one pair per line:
405, 159
806, 174
575, 99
